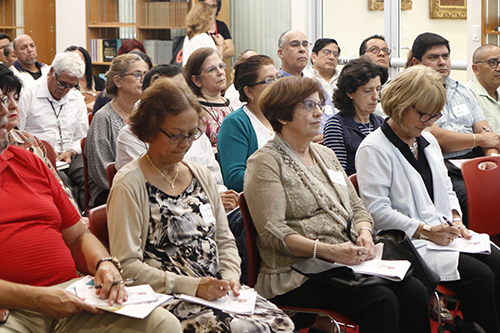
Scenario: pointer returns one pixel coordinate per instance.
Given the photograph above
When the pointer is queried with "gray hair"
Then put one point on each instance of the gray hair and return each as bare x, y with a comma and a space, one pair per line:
8, 49
69, 62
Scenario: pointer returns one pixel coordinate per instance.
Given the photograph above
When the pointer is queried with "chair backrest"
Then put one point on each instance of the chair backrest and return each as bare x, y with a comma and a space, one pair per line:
90, 116
98, 223
86, 176
483, 191
253, 255
51, 153
111, 172
354, 180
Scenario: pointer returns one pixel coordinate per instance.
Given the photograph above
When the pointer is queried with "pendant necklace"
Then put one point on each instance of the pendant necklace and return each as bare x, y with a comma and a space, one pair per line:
170, 182
414, 148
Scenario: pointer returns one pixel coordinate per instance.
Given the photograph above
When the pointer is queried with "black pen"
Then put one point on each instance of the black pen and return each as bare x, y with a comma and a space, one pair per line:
115, 283
447, 221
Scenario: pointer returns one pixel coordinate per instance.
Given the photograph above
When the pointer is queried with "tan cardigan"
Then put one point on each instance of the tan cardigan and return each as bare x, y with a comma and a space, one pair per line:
282, 201
128, 222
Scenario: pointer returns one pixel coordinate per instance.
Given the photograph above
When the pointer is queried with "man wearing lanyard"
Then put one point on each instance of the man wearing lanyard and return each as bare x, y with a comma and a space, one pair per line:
53, 111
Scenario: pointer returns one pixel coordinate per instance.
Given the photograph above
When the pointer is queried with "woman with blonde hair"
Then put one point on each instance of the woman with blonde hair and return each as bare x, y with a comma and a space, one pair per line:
404, 184
199, 20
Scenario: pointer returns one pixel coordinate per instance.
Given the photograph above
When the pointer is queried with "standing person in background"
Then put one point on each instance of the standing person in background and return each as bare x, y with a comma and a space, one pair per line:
220, 28
205, 74
90, 84
198, 21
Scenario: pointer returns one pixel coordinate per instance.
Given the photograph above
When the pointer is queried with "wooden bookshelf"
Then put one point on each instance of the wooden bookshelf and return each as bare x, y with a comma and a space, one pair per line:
147, 19
42, 31
490, 19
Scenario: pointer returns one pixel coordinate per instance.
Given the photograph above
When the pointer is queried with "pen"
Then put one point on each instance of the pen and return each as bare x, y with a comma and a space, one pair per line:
447, 221
115, 283
486, 129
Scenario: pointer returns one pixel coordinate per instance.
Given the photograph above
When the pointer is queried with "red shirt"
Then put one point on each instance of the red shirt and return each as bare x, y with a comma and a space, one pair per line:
33, 211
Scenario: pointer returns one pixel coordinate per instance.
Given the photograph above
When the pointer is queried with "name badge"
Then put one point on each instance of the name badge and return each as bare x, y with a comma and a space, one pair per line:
336, 177
461, 110
207, 214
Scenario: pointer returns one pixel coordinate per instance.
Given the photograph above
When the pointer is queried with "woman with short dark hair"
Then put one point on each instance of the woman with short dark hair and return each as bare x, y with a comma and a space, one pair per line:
357, 96
167, 224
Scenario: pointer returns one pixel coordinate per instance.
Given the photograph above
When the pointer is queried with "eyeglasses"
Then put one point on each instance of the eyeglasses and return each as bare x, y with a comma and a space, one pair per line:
267, 81
493, 63
63, 86
298, 43
211, 69
376, 50
175, 139
137, 75
330, 52
311, 105
425, 117
5, 101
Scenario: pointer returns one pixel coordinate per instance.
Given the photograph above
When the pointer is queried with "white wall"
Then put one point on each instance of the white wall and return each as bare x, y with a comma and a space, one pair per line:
70, 24
349, 22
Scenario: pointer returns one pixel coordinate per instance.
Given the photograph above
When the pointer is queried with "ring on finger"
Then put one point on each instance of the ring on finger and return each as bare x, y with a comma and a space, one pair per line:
360, 253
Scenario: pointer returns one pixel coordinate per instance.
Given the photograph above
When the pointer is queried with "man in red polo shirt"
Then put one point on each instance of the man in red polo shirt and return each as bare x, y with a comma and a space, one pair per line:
43, 242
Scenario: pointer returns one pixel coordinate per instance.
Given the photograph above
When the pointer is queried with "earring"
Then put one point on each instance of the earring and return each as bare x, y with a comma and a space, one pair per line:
283, 123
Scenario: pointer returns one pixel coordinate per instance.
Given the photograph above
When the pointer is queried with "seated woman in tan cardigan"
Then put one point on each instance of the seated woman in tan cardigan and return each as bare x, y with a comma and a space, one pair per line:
300, 200
167, 224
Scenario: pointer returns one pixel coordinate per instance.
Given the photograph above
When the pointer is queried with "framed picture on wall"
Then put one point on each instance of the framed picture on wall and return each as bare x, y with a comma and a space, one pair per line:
379, 4
448, 9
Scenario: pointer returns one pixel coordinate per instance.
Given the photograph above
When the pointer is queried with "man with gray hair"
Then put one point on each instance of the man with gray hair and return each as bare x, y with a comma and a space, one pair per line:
52, 110
26, 67
485, 85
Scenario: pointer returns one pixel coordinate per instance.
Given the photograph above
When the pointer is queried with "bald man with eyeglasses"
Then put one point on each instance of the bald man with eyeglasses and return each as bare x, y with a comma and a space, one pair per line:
485, 86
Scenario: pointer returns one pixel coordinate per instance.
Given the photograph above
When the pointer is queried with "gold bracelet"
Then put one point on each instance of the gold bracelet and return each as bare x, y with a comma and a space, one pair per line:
474, 137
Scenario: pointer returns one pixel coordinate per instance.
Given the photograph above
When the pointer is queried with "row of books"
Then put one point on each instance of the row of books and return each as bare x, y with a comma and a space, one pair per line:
165, 14
103, 50
160, 51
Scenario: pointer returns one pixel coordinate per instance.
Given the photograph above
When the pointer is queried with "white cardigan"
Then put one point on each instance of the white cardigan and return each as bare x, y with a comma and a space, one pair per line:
396, 196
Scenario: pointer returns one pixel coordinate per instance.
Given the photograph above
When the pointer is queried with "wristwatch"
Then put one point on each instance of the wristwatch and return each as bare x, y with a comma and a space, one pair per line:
427, 228
114, 260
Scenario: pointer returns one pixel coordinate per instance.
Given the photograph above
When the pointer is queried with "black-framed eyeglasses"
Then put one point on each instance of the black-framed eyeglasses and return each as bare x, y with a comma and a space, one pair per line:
311, 105
296, 43
63, 86
267, 81
211, 69
5, 101
175, 139
493, 63
376, 50
137, 75
425, 117
330, 52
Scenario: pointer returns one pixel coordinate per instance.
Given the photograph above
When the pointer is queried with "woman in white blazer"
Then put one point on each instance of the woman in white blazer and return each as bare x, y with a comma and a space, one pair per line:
404, 184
